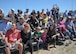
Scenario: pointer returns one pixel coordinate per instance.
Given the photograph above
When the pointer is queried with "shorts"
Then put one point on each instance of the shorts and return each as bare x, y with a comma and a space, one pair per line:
13, 46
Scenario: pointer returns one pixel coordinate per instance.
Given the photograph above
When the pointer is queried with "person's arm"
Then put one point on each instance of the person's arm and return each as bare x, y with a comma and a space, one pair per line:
3, 36
29, 38
19, 37
6, 38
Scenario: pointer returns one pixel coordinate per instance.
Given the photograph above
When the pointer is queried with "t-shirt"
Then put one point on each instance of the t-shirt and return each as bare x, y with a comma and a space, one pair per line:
51, 33
37, 34
13, 36
45, 20
25, 37
5, 26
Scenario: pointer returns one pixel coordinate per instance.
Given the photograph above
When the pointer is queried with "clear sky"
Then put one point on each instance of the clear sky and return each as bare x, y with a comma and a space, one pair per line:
6, 5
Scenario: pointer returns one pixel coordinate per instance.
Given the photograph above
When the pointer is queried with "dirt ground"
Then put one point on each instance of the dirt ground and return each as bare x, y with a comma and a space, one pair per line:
60, 49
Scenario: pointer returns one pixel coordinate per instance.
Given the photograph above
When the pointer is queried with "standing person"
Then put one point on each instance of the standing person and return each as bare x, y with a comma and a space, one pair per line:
13, 39
11, 16
26, 18
42, 13
27, 12
26, 37
51, 21
48, 13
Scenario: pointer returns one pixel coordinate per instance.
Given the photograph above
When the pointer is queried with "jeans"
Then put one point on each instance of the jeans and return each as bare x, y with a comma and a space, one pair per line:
29, 43
38, 43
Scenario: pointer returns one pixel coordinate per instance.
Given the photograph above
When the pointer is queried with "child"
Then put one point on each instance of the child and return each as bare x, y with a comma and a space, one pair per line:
37, 36
44, 36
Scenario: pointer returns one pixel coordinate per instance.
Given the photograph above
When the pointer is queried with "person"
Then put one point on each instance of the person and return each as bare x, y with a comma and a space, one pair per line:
62, 26
33, 12
26, 37
20, 23
50, 21
33, 22
26, 18
37, 36
13, 39
42, 13
5, 25
44, 20
75, 26
48, 13
51, 36
1, 15
70, 27
11, 15
44, 36
27, 12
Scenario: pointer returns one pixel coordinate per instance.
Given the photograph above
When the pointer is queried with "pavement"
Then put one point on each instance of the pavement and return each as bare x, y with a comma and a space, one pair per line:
60, 49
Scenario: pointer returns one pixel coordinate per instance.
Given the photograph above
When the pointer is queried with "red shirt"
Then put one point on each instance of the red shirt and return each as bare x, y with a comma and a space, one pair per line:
12, 36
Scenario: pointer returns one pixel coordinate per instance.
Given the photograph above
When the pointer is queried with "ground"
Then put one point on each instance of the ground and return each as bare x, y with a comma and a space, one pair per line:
60, 49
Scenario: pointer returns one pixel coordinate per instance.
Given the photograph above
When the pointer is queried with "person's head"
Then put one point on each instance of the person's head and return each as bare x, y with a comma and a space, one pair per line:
12, 10
42, 10
1, 11
27, 10
27, 27
45, 30
51, 16
14, 26
69, 19
61, 18
47, 9
19, 11
21, 19
38, 29
10, 14
26, 17
44, 16
34, 16
51, 27
6, 19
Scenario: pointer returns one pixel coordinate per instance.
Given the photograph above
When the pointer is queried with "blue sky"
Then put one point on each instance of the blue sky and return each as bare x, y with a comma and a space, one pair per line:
6, 5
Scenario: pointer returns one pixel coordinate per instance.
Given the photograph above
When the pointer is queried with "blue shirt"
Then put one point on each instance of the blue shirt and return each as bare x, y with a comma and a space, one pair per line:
5, 26
48, 13
69, 25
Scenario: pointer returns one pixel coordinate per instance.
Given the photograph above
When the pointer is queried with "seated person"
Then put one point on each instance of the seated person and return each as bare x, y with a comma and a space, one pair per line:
70, 27
51, 36
44, 36
13, 39
26, 37
20, 23
62, 27
33, 22
5, 25
37, 36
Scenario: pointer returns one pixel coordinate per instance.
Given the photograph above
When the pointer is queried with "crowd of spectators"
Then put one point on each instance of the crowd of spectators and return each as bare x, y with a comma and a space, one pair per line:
43, 27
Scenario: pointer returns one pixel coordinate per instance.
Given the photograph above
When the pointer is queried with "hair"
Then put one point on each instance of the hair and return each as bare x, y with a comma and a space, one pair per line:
14, 23
28, 28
